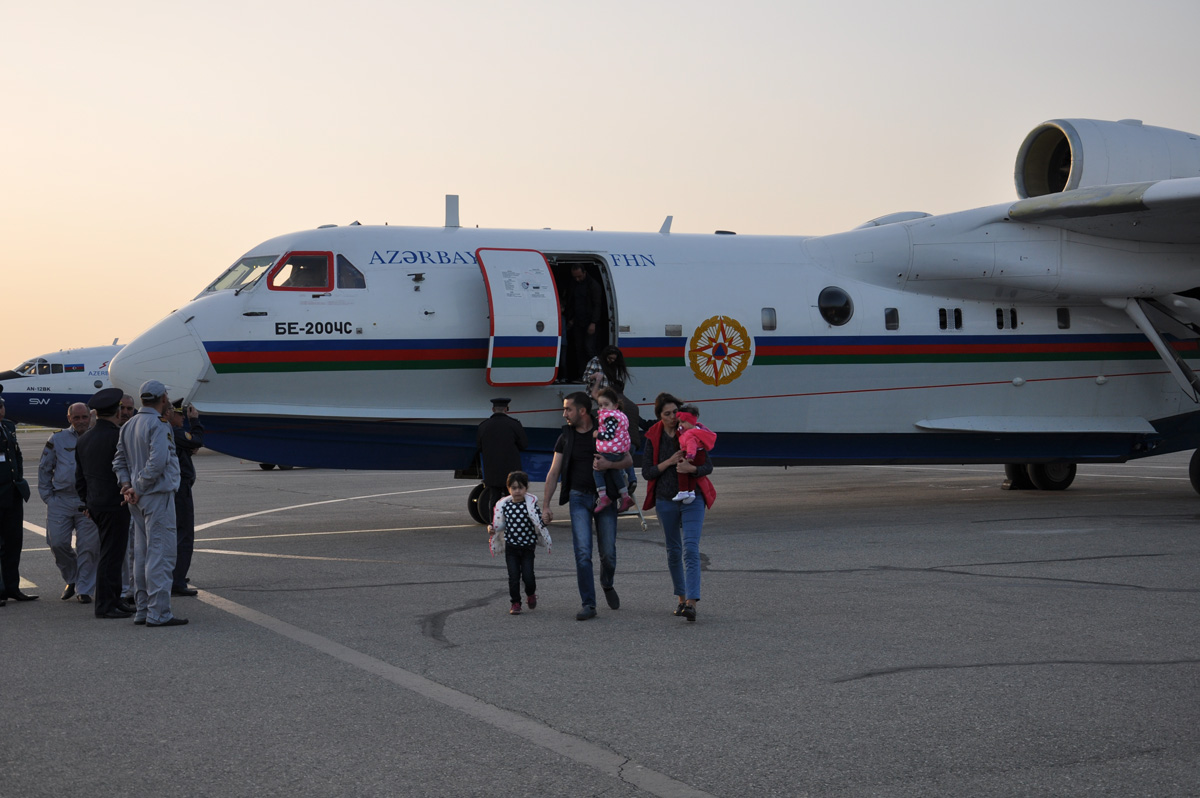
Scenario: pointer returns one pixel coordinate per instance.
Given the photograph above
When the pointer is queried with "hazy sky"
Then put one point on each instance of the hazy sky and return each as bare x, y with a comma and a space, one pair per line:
145, 146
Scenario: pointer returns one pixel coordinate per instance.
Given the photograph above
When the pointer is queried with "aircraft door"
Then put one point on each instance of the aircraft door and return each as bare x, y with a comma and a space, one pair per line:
525, 321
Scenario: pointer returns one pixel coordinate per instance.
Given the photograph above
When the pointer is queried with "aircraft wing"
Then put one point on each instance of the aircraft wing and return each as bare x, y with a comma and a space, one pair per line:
1164, 211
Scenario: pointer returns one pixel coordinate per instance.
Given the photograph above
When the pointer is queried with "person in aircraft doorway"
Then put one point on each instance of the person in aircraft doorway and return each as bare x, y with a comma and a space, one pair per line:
582, 311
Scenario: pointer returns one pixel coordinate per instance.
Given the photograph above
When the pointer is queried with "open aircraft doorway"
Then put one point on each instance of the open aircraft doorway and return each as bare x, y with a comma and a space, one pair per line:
576, 348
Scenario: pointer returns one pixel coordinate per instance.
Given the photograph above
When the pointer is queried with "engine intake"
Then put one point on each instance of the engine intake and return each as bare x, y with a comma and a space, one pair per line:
1065, 154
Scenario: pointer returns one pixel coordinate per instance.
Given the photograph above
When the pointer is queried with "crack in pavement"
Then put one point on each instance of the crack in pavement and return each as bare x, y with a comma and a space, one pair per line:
434, 624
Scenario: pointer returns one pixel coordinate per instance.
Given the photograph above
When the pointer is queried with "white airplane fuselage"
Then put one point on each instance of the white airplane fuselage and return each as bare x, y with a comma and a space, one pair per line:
971, 338
40, 390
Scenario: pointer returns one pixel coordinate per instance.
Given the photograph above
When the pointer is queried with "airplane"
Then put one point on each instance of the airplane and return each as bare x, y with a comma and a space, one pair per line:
40, 390
1054, 330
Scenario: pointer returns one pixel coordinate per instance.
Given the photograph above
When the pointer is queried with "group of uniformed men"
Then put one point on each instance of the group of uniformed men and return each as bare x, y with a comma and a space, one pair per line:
103, 479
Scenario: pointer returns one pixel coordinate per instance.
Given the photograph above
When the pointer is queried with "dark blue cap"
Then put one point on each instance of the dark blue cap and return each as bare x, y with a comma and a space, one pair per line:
106, 402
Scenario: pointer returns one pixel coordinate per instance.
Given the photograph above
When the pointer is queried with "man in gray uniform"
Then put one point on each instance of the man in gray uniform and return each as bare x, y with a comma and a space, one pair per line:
64, 511
148, 470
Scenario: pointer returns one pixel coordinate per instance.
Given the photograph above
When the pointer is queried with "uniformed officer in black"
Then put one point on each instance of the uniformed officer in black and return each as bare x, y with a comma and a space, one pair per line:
100, 491
189, 438
500, 439
14, 492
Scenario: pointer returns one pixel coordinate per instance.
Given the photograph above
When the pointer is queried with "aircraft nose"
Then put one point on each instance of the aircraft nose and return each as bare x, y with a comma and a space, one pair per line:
168, 352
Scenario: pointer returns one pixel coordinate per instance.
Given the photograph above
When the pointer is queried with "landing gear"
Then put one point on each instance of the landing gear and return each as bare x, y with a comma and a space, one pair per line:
1041, 476
482, 502
1016, 477
1194, 470
1051, 476
269, 466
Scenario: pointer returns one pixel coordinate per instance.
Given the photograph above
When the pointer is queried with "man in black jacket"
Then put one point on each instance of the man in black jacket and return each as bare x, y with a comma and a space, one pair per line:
189, 438
100, 493
500, 439
14, 492
574, 460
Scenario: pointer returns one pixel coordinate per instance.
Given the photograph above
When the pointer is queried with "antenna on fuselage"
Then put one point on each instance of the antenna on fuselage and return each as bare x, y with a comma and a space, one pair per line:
666, 228
452, 210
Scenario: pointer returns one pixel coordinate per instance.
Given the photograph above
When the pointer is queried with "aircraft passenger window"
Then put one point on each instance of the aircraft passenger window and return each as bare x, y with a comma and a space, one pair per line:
768, 318
941, 318
891, 318
999, 318
958, 318
347, 275
56, 368
1012, 315
303, 271
835, 306
1064, 318
243, 274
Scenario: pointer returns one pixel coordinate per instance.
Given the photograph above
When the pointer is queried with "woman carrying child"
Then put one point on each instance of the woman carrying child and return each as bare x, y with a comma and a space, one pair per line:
517, 528
663, 463
612, 443
695, 441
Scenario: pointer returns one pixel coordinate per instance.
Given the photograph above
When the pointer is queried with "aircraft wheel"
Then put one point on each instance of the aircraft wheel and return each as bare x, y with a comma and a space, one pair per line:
1051, 476
285, 468
473, 503
1194, 470
1016, 477
487, 502
266, 466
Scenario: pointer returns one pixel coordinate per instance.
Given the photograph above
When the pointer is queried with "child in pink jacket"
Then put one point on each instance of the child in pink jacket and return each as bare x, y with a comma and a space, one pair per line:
612, 442
695, 440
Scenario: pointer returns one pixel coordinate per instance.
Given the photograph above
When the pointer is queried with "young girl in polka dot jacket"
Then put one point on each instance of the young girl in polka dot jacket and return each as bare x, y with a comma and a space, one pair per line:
517, 529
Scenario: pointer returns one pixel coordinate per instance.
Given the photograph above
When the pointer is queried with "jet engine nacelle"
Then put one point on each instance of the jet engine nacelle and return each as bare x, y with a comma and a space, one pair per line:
1065, 154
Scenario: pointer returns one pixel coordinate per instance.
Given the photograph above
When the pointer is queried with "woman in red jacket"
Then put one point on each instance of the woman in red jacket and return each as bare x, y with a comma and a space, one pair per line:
682, 524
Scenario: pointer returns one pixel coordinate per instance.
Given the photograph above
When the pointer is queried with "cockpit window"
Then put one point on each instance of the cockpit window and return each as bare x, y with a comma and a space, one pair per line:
303, 271
347, 275
28, 368
243, 274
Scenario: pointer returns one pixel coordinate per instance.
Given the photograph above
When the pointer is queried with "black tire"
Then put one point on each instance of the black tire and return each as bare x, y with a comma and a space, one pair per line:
1017, 477
487, 502
473, 503
285, 468
1051, 476
1194, 470
266, 466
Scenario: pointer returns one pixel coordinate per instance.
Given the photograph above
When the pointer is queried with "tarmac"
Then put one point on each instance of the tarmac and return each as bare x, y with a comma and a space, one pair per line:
863, 631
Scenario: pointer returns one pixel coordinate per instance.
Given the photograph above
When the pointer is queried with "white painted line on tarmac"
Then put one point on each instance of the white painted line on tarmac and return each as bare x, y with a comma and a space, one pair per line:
341, 532
220, 521
575, 748
287, 556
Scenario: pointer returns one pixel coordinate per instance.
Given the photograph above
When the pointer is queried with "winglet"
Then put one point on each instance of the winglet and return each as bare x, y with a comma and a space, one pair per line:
666, 227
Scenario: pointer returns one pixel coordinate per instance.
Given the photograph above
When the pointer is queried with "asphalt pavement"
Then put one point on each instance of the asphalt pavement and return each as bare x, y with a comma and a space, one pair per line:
863, 631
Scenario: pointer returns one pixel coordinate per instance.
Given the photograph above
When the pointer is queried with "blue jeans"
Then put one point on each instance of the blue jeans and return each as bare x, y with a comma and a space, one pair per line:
611, 477
582, 517
682, 524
